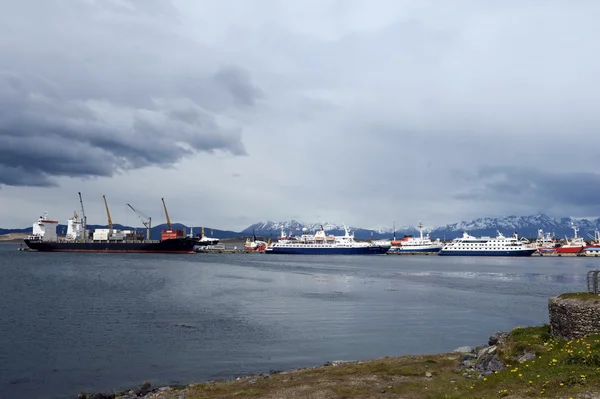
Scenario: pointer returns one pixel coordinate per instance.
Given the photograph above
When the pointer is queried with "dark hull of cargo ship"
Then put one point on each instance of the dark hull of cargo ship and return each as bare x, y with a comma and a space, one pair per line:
171, 246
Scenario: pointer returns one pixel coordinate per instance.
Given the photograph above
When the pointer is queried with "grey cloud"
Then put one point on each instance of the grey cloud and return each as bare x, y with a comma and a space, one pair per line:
95, 104
541, 189
43, 136
238, 83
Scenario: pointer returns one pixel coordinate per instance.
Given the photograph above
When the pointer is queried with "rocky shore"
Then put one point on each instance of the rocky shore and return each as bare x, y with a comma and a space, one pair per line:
470, 363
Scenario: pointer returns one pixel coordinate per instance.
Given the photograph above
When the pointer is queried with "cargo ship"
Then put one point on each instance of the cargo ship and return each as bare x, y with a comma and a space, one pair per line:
79, 239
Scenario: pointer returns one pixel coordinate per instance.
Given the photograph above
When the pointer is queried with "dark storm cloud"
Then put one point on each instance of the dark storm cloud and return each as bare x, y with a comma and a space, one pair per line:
541, 188
42, 135
107, 88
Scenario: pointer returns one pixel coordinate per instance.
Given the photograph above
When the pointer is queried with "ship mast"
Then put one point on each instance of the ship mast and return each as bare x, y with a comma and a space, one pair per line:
110, 223
83, 218
167, 215
420, 227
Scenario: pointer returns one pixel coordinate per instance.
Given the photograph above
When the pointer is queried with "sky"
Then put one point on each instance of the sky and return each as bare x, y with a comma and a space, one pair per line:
345, 111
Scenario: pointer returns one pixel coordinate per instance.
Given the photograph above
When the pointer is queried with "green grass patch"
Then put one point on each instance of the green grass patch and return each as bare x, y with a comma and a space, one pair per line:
584, 296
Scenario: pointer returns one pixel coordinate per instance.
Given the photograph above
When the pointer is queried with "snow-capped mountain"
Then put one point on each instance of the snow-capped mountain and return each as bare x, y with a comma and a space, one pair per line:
525, 226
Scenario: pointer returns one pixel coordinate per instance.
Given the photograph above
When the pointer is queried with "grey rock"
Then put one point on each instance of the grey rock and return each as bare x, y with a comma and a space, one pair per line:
468, 356
486, 351
526, 357
335, 362
497, 338
490, 363
463, 349
101, 396
144, 389
428, 374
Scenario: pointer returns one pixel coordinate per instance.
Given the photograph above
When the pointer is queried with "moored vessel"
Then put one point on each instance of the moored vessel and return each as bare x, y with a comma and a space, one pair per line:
204, 240
321, 243
468, 245
546, 243
572, 246
410, 244
79, 239
254, 244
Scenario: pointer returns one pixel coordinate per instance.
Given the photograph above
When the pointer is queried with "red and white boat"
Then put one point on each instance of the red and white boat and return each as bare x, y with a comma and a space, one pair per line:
546, 243
573, 246
254, 244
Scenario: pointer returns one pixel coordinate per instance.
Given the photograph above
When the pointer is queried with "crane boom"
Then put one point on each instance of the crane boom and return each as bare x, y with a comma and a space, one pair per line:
110, 224
83, 217
147, 223
167, 215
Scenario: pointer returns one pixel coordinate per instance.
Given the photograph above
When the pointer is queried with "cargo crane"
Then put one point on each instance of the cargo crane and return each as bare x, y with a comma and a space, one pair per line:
110, 223
83, 218
170, 233
169, 227
146, 221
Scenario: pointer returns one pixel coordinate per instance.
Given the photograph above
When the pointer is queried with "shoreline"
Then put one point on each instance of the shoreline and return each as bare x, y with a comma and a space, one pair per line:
525, 362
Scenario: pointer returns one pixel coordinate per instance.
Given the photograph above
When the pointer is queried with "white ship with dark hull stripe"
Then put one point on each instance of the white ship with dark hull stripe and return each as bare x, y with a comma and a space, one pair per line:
322, 244
468, 245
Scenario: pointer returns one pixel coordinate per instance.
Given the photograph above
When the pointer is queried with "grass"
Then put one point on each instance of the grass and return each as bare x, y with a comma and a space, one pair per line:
584, 296
561, 369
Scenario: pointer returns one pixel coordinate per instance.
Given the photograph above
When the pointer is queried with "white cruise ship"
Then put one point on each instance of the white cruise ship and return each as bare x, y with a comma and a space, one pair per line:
410, 244
468, 245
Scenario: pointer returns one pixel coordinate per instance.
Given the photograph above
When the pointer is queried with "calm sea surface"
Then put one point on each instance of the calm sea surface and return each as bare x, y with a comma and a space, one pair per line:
97, 322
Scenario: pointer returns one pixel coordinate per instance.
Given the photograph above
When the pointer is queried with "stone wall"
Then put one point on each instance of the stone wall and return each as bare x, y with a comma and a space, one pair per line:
573, 317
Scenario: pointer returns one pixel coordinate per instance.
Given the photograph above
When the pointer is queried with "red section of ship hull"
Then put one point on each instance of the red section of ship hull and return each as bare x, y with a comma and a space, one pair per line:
569, 250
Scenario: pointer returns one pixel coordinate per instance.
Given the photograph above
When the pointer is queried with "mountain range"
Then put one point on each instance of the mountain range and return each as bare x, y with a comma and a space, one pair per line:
525, 226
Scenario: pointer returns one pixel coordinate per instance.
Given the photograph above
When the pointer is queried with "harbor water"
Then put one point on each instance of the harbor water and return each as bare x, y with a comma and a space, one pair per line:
102, 322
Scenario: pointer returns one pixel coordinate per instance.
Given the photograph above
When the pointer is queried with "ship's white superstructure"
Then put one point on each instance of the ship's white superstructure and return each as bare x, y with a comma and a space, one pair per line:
410, 244
44, 229
468, 245
204, 240
74, 228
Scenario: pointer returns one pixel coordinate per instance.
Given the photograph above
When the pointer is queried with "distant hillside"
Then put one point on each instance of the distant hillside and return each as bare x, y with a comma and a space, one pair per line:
525, 226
